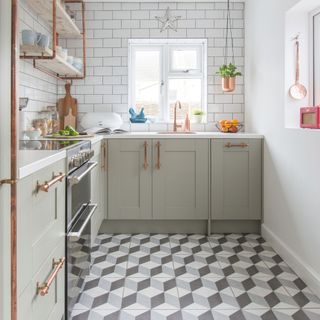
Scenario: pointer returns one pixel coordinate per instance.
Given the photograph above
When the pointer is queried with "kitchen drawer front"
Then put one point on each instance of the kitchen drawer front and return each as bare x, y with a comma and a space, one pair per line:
236, 179
41, 221
32, 306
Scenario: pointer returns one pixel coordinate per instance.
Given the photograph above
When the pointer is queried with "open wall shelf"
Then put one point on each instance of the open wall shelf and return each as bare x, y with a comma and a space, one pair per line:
57, 66
44, 59
65, 26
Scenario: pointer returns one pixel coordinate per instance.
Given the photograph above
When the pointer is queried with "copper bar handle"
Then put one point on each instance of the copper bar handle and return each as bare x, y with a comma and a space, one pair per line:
240, 145
102, 156
48, 184
158, 165
145, 164
105, 165
43, 289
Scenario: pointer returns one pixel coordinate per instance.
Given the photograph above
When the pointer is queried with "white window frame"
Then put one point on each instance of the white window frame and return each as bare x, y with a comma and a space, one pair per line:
166, 46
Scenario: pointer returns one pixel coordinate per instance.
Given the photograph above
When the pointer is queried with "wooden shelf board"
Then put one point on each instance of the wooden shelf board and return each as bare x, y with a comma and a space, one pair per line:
65, 26
58, 65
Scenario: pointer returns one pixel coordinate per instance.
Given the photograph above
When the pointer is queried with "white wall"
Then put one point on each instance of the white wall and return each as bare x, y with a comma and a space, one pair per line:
292, 156
5, 52
111, 24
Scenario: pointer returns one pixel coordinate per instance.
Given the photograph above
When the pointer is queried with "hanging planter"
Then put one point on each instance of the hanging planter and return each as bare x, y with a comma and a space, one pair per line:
228, 71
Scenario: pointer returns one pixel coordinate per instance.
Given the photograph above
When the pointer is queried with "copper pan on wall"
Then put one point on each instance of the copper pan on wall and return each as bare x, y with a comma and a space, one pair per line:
298, 91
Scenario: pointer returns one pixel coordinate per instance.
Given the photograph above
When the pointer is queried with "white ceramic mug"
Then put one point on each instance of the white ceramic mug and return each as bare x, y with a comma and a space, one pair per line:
29, 37
43, 40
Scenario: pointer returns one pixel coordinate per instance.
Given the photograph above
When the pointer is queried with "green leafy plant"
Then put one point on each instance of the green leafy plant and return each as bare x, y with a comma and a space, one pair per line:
198, 112
228, 71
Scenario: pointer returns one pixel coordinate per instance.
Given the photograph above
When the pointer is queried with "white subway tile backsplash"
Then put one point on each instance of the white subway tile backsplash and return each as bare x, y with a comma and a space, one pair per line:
130, 6
99, 35
123, 14
102, 15
103, 89
130, 24
102, 52
142, 14
112, 6
140, 33
109, 26
112, 24
102, 71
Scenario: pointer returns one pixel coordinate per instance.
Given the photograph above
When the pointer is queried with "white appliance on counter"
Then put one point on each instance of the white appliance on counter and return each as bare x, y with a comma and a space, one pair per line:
101, 122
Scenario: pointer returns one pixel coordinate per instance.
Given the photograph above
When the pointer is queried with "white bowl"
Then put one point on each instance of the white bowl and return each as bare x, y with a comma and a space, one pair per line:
33, 134
70, 59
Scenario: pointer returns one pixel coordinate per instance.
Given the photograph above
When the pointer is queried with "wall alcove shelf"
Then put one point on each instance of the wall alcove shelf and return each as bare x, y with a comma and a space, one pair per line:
45, 59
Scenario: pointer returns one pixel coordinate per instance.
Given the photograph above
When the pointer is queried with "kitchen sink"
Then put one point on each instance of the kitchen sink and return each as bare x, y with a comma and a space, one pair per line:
176, 132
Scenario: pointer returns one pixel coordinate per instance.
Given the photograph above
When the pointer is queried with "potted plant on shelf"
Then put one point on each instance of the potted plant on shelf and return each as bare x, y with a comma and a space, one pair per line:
228, 72
197, 115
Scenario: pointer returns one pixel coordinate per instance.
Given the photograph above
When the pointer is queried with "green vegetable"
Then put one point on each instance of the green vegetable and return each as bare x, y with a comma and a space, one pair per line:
198, 112
64, 133
228, 71
72, 131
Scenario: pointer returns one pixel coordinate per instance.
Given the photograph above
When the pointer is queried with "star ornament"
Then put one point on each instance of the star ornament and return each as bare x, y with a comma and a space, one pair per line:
168, 21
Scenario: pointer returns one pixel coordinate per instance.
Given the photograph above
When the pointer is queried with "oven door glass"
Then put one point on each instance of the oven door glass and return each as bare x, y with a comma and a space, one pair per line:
79, 191
78, 256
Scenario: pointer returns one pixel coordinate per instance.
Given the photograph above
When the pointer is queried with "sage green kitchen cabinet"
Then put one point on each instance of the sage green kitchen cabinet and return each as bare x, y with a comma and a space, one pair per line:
236, 177
40, 241
181, 179
129, 179
98, 186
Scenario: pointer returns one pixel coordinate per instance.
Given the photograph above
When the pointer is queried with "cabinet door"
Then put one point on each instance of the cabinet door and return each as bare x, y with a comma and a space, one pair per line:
98, 185
33, 306
40, 221
236, 179
129, 180
181, 179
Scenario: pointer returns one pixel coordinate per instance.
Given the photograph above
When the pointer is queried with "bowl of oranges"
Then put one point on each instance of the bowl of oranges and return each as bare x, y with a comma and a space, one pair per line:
229, 126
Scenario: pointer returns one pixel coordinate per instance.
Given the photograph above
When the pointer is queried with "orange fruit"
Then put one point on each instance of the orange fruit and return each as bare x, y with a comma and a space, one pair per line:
228, 124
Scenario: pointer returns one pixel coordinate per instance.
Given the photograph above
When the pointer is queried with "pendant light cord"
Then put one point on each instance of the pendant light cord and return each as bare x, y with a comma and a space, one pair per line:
229, 30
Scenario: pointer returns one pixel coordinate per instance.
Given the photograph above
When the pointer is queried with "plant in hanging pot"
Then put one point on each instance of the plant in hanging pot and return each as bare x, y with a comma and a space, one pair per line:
228, 73
197, 115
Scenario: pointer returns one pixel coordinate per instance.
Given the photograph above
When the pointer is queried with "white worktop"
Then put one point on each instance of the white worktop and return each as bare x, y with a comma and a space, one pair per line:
30, 161
197, 135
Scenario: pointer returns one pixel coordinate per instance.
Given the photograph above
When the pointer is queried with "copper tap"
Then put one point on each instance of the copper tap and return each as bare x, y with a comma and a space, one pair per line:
175, 125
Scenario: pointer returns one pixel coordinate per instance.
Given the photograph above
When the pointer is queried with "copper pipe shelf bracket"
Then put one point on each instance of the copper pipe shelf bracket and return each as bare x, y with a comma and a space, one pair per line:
43, 289
8, 181
13, 151
47, 185
54, 37
241, 145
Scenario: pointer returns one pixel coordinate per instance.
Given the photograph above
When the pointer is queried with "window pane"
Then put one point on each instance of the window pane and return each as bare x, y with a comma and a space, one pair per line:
184, 59
317, 59
147, 82
188, 92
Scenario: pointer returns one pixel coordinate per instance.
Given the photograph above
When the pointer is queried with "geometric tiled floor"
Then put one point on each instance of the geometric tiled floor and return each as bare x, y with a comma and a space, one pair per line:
179, 276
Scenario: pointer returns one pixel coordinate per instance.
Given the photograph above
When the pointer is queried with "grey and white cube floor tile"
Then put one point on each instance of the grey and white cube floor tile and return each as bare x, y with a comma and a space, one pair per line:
191, 277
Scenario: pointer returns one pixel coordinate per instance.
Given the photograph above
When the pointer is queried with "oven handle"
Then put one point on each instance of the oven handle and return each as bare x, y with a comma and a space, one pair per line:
74, 179
76, 235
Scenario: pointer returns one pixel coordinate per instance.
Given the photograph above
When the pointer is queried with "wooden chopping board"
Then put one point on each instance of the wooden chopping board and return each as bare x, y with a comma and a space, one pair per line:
68, 109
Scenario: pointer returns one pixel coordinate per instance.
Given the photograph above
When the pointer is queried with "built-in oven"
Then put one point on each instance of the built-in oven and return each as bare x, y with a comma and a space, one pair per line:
79, 211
